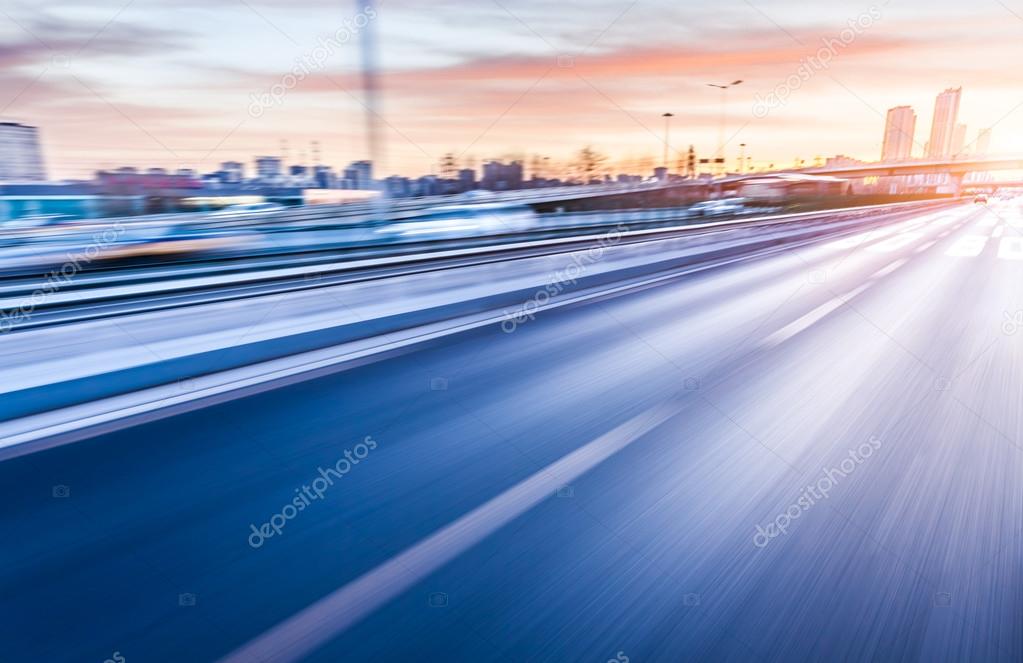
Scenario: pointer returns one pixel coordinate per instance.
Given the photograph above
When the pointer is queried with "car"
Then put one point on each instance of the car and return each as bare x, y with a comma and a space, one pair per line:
454, 221
170, 242
980, 199
35, 221
248, 209
719, 207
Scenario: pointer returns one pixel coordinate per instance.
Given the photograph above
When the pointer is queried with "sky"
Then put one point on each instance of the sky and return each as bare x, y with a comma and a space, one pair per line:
192, 83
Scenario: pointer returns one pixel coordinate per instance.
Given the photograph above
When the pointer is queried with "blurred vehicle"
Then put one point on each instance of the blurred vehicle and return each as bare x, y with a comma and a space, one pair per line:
980, 199
180, 240
249, 209
452, 221
478, 195
719, 207
34, 221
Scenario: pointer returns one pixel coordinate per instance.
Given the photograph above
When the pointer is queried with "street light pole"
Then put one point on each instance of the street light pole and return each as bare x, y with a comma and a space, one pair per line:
721, 124
370, 84
667, 136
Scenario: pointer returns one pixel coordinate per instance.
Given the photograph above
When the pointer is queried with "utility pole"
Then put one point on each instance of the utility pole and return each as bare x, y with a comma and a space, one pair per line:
374, 142
720, 159
449, 166
667, 136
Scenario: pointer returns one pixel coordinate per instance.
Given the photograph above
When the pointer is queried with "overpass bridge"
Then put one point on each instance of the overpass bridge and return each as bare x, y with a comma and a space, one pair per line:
955, 169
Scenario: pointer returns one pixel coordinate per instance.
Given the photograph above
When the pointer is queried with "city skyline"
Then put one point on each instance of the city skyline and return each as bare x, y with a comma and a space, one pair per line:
566, 77
899, 143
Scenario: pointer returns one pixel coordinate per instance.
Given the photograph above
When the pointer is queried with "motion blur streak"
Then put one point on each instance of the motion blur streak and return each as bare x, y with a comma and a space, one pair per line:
524, 504
334, 614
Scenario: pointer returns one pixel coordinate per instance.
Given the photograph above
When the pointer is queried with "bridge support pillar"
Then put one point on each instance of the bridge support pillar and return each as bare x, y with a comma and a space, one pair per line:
956, 179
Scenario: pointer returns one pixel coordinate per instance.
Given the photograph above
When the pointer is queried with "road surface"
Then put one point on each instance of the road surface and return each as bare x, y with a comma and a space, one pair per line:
810, 456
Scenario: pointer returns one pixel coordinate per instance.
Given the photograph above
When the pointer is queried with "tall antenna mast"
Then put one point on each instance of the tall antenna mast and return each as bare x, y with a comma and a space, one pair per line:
374, 140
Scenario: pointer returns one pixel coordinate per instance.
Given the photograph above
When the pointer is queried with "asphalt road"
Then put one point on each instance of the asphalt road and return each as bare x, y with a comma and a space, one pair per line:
810, 457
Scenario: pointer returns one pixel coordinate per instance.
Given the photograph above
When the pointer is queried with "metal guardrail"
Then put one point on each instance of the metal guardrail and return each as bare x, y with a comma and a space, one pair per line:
440, 257
359, 209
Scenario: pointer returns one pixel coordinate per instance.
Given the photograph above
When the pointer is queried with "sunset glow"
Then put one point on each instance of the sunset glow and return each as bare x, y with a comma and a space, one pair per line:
115, 84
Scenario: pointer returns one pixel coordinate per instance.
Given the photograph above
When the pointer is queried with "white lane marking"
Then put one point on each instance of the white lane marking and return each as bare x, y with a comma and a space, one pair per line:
810, 319
299, 635
854, 240
1011, 248
871, 236
926, 246
881, 273
895, 243
970, 246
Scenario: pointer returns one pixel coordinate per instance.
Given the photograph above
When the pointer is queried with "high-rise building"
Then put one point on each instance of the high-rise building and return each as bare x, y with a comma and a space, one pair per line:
498, 176
398, 187
325, 177
467, 179
958, 140
234, 171
899, 129
359, 175
984, 142
268, 168
21, 158
946, 116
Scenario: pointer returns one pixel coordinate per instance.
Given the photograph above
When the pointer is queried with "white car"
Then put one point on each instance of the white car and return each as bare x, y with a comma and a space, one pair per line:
249, 209
451, 221
719, 207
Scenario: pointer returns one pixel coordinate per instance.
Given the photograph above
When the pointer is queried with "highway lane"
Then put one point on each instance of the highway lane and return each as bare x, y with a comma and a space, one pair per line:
63, 364
677, 420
